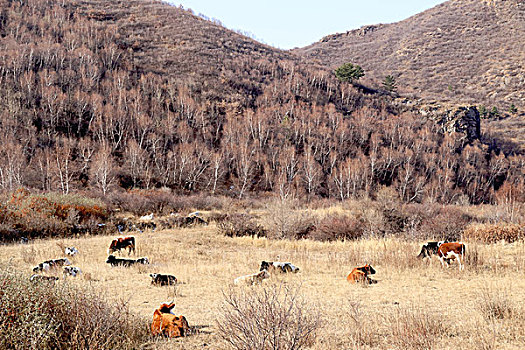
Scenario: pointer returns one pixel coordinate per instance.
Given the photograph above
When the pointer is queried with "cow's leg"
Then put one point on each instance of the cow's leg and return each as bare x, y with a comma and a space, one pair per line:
442, 260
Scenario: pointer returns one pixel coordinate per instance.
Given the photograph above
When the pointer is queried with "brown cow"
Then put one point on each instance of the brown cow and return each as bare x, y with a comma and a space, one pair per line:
167, 324
452, 251
360, 275
122, 243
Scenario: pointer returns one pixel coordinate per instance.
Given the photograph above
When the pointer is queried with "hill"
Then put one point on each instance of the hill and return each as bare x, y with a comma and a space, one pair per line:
461, 51
109, 95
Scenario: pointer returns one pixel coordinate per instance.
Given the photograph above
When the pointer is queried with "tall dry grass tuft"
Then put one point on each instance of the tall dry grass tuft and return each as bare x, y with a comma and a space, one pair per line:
415, 328
269, 317
56, 315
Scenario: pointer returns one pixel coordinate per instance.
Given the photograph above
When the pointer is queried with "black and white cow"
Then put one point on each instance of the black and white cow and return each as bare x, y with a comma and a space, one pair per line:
71, 271
126, 262
162, 280
71, 251
430, 248
273, 266
47, 265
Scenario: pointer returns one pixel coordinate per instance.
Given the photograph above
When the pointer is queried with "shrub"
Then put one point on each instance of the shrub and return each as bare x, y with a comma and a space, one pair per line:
435, 221
282, 221
270, 317
49, 315
43, 215
338, 227
492, 233
239, 225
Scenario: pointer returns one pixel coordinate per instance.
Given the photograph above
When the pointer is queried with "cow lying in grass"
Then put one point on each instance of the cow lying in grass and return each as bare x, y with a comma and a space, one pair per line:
126, 262
47, 265
255, 278
71, 271
275, 266
360, 275
71, 251
167, 324
162, 280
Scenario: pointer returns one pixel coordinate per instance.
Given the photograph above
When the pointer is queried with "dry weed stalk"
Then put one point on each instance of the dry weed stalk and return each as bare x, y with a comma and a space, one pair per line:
269, 317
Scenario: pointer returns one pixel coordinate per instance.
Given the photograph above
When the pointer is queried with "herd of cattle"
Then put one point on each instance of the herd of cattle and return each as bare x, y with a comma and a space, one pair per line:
167, 324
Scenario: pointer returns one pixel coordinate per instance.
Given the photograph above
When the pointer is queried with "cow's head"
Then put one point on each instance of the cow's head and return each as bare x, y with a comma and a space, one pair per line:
113, 246
368, 269
265, 265
166, 308
424, 252
110, 259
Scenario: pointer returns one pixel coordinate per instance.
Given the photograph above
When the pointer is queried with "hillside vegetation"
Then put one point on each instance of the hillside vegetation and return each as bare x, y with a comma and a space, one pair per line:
99, 95
461, 51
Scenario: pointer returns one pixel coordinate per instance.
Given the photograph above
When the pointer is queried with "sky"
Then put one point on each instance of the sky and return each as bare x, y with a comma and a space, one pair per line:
296, 23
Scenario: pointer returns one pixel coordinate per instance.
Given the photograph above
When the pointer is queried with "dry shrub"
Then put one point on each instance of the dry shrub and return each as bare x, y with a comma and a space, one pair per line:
238, 225
26, 214
269, 317
415, 328
497, 304
363, 330
338, 227
435, 221
492, 233
282, 221
54, 315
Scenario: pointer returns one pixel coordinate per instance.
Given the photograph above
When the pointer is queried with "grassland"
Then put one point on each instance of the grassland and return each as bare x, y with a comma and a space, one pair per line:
415, 304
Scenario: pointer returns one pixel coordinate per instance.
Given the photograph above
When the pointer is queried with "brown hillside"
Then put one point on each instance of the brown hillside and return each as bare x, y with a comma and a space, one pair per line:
105, 95
462, 51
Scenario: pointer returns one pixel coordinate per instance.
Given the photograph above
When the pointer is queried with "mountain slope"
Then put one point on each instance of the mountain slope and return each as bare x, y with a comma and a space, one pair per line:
97, 95
462, 51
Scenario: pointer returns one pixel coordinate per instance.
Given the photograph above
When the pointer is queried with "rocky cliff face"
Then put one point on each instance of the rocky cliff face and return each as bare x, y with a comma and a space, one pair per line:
464, 119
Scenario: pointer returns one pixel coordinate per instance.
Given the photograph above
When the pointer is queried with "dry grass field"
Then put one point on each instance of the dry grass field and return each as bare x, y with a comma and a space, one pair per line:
415, 304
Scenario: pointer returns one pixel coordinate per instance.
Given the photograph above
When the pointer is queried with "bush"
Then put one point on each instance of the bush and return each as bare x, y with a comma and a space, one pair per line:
435, 222
23, 213
338, 227
239, 225
492, 233
54, 315
271, 317
282, 221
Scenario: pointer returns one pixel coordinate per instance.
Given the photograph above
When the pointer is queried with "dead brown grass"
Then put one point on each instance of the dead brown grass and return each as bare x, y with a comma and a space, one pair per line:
410, 296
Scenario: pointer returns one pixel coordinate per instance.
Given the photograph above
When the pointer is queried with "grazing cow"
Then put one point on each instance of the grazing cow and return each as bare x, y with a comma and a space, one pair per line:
71, 251
162, 280
42, 278
122, 243
167, 324
126, 262
51, 264
255, 278
71, 271
275, 266
452, 251
430, 248
360, 275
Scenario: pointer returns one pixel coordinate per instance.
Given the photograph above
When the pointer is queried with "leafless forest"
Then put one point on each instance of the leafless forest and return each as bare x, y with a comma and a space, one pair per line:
82, 107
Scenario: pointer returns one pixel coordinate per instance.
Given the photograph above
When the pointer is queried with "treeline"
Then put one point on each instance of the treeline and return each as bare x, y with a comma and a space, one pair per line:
78, 111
